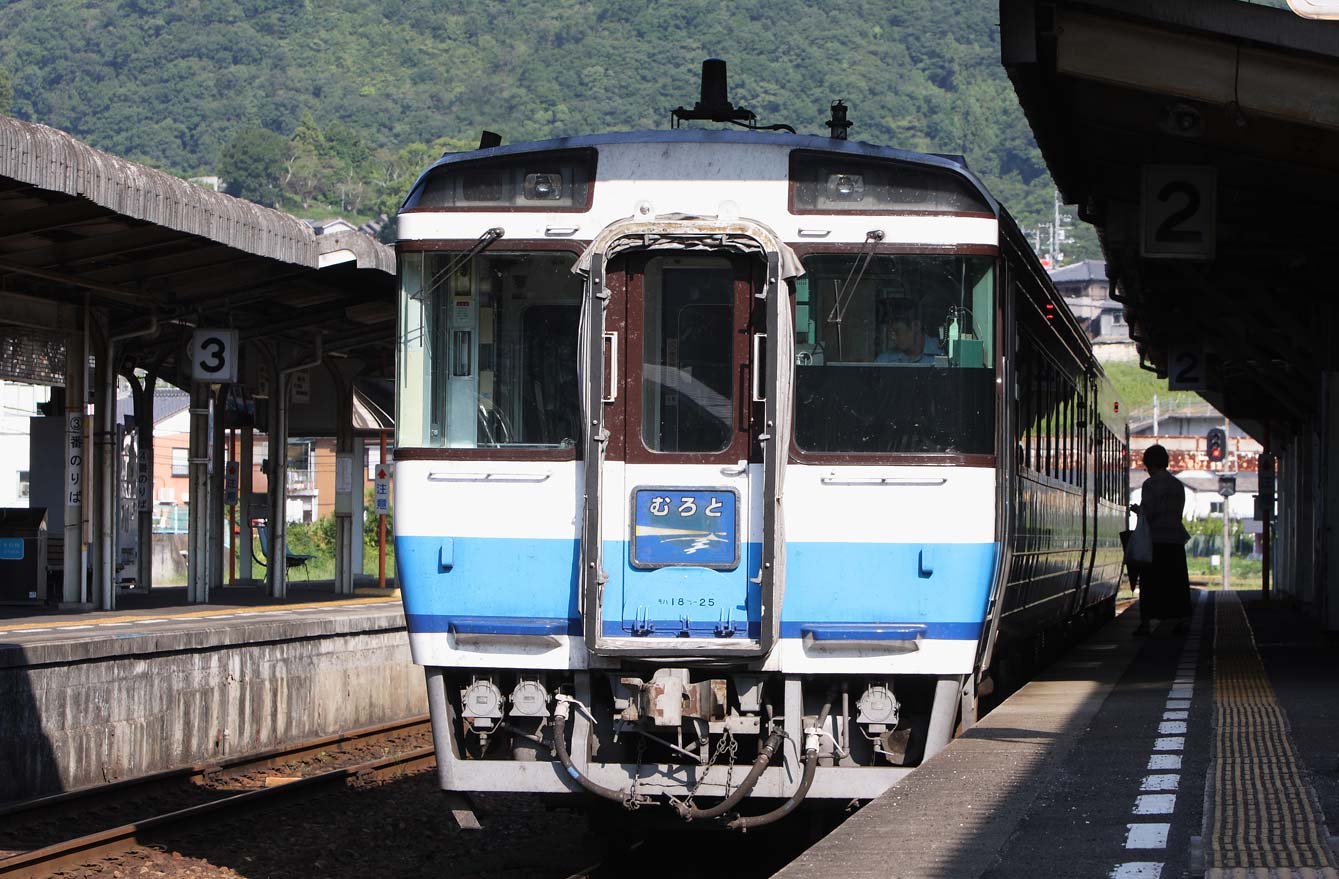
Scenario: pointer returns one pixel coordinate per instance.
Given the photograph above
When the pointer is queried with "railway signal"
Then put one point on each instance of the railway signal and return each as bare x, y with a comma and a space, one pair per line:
1215, 442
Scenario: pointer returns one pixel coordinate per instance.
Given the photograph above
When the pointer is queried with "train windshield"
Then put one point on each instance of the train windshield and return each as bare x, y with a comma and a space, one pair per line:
895, 354
488, 351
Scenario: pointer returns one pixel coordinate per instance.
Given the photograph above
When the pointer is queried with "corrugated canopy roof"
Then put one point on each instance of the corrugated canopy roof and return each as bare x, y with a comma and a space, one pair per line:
55, 161
77, 223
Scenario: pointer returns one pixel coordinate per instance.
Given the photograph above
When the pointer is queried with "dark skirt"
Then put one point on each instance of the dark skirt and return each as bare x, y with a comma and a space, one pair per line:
1164, 585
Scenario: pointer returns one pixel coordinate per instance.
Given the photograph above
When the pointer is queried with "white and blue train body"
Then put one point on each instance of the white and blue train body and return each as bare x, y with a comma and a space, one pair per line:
709, 440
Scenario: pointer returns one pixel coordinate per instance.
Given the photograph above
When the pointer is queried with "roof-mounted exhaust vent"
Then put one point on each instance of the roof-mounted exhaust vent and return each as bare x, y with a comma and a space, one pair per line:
715, 105
489, 139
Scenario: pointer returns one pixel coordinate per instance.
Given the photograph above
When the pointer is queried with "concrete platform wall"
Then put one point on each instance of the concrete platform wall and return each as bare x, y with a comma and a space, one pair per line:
77, 713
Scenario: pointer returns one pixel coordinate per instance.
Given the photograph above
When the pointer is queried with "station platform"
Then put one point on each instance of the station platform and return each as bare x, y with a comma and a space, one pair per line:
164, 609
1205, 753
159, 684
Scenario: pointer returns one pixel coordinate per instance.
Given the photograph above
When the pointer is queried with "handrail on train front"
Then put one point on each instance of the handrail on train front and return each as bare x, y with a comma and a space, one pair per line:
656, 234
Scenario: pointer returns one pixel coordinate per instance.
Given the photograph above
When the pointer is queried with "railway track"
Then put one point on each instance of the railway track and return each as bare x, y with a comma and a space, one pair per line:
80, 850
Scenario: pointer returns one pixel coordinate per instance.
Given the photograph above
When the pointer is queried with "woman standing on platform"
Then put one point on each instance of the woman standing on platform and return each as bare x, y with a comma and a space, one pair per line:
1164, 584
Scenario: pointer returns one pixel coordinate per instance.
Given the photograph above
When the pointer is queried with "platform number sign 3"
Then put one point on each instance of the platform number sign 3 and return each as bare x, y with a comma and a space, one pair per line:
1185, 368
214, 356
1178, 212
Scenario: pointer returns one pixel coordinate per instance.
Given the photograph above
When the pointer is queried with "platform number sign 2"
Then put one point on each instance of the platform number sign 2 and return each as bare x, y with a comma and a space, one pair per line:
1178, 212
214, 356
1185, 368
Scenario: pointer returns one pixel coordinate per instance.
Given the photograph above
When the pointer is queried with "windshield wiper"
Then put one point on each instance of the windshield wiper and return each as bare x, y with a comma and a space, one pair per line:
485, 241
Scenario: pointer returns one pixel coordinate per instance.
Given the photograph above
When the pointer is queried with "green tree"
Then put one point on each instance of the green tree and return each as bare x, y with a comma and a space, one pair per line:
252, 165
6, 91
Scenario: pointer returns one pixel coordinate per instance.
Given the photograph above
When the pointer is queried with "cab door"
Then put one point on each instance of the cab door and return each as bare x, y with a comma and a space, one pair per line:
681, 490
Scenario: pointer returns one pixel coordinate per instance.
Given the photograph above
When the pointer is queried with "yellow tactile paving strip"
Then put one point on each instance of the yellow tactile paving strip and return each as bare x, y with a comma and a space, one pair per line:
169, 613
1262, 818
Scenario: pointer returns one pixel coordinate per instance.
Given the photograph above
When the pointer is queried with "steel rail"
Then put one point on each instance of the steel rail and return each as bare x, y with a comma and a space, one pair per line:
81, 850
230, 767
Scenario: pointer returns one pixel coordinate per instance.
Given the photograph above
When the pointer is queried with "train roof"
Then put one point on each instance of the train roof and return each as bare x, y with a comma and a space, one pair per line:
955, 164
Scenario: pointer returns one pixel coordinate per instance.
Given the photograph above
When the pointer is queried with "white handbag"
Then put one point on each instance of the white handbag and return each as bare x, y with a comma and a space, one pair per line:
1139, 550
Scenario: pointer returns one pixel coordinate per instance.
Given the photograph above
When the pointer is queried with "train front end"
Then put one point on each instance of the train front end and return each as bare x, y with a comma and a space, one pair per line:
695, 490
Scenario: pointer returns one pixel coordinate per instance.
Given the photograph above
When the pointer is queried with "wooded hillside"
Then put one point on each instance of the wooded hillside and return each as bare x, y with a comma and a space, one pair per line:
363, 94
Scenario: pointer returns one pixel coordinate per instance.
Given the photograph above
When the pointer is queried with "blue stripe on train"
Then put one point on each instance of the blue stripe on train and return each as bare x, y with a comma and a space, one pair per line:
529, 584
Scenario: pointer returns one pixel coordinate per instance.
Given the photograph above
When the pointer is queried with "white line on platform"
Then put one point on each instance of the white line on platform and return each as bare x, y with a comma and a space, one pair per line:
155, 620
1169, 743
1175, 715
1137, 870
1179, 692
1155, 804
1169, 781
1173, 704
24, 631
1147, 835
104, 625
1172, 728
1164, 761
72, 628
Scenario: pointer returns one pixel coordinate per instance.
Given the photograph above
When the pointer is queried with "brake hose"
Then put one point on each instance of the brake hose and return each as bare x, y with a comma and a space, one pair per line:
560, 748
811, 740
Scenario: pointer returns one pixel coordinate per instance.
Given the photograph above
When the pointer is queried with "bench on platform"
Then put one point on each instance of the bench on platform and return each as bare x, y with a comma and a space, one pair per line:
291, 559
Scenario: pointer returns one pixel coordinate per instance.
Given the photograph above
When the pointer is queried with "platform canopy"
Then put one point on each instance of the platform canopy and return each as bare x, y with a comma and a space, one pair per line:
79, 226
1201, 138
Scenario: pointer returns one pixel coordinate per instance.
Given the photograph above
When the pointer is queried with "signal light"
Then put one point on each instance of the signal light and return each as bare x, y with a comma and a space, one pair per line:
1050, 311
1215, 444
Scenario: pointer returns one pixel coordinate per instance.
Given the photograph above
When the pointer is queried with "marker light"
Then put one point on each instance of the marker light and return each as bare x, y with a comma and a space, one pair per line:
543, 187
846, 187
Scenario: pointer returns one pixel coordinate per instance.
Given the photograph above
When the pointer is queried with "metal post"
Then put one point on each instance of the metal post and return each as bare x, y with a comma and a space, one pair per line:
1227, 517
144, 395
76, 370
358, 505
1266, 510
108, 505
277, 475
216, 447
103, 484
245, 486
381, 528
197, 556
344, 467
232, 513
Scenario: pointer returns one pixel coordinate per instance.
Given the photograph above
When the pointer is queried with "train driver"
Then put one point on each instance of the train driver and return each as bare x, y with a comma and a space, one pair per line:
901, 336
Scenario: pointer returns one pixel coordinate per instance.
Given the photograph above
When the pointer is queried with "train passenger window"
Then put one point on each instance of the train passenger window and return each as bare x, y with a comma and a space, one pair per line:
488, 351
895, 353
687, 355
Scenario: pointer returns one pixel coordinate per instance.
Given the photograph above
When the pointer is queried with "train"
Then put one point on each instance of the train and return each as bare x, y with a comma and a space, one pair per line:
733, 464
